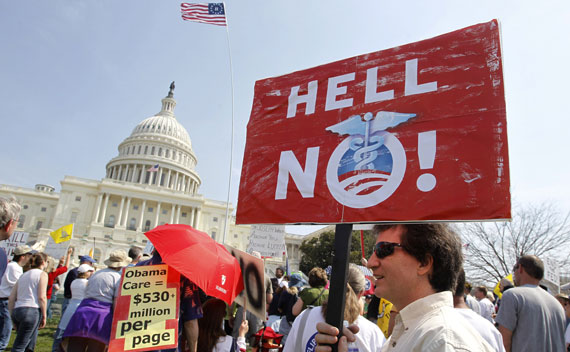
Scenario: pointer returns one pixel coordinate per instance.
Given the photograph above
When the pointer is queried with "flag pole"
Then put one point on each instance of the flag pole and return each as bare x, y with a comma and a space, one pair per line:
232, 139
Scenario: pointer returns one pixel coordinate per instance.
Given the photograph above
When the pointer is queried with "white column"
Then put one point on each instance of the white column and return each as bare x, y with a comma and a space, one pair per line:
188, 185
149, 177
159, 176
98, 207
192, 210
176, 181
157, 215
134, 173
120, 217
198, 215
178, 214
139, 227
105, 207
172, 213
168, 178
141, 181
126, 173
127, 209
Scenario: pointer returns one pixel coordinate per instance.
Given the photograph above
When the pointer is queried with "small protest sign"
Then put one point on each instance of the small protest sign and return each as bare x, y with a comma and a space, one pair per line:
147, 309
18, 238
56, 250
268, 240
253, 271
552, 271
149, 248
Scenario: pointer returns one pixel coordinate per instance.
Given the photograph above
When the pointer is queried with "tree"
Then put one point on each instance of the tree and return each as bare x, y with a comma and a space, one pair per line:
319, 251
492, 248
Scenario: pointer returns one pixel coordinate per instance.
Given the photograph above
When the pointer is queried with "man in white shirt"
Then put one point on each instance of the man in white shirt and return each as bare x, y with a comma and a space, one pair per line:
9, 215
416, 268
487, 330
13, 272
470, 300
487, 307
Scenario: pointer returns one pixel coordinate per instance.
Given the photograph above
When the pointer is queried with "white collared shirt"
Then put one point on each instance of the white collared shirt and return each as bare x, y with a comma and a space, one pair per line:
487, 309
431, 324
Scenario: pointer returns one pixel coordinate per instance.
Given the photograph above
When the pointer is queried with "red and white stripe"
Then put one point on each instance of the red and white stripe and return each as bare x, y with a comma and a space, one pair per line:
200, 13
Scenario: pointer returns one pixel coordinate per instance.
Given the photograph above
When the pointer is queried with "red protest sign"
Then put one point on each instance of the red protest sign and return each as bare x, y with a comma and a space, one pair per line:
146, 310
416, 132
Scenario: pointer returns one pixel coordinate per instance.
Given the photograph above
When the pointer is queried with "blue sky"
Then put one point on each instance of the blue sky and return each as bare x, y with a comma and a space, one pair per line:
78, 76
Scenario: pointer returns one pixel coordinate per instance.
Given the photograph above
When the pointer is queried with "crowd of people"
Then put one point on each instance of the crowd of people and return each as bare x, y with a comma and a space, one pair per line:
418, 268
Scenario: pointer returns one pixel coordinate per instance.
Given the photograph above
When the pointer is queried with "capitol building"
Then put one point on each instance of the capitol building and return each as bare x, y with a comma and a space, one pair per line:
152, 181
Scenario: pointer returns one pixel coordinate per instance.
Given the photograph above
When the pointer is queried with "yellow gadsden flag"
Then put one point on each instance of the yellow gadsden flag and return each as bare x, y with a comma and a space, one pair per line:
62, 234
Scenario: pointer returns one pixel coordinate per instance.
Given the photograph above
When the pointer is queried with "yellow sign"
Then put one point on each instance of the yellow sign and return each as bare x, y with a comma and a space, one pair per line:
146, 313
384, 315
497, 289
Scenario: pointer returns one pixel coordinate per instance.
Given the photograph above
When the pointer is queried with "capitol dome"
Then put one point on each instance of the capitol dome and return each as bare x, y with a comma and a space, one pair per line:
158, 153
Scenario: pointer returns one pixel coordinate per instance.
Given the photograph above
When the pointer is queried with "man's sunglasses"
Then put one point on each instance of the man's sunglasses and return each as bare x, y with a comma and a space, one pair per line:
384, 249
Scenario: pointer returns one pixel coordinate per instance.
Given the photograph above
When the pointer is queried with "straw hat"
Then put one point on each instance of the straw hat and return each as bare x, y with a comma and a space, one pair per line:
117, 259
23, 249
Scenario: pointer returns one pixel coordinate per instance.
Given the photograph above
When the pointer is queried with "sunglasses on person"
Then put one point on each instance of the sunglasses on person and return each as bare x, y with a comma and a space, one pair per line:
384, 249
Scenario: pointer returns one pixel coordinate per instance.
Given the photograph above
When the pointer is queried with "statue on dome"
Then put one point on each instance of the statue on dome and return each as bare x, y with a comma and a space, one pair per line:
171, 91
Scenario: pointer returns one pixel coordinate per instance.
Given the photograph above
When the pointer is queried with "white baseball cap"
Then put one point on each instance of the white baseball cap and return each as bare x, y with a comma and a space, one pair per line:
83, 268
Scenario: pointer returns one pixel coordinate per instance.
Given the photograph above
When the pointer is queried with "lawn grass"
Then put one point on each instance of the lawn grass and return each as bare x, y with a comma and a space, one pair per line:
45, 336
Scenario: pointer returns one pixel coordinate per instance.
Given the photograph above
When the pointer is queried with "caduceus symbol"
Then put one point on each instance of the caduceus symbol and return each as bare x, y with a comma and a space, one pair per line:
366, 149
370, 148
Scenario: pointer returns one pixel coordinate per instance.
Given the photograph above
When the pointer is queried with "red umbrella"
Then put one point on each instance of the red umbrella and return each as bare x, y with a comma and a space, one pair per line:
197, 256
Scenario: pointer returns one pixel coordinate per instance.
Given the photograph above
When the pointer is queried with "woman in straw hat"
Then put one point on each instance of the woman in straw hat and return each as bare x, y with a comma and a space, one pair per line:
90, 326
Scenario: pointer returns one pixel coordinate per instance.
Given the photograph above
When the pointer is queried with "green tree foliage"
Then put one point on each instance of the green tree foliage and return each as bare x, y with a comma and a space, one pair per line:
319, 251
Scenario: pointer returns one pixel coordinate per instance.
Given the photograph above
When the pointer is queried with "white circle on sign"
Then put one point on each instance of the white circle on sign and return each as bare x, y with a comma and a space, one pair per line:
348, 197
426, 182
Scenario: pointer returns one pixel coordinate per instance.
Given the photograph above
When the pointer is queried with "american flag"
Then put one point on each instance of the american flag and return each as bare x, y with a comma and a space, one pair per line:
204, 13
153, 168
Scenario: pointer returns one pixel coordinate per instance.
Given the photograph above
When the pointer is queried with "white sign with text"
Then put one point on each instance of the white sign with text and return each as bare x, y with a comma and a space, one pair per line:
268, 240
18, 238
552, 271
56, 250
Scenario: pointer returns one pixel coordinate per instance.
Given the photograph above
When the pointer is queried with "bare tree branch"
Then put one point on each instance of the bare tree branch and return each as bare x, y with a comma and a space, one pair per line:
492, 248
